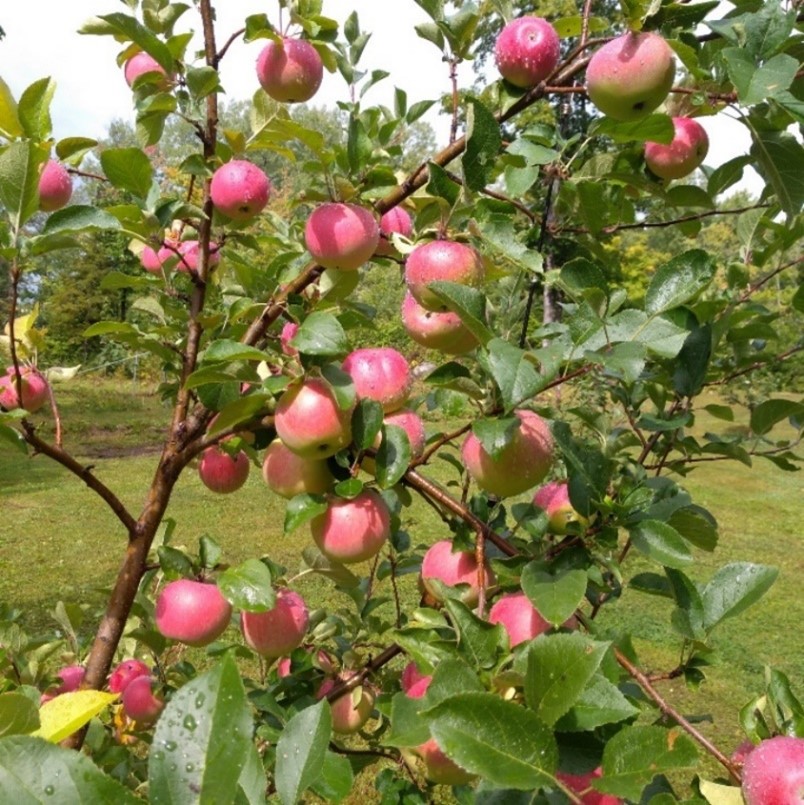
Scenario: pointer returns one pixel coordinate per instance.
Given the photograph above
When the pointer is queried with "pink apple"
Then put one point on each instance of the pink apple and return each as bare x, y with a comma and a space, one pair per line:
35, 389
309, 421
521, 464
741, 753
125, 673
140, 64
520, 618
553, 499
381, 374
444, 332
221, 472
290, 72
279, 630
412, 424
395, 221
353, 530
453, 568
192, 612
190, 251
55, 186
351, 710
165, 258
630, 76
414, 682
443, 261
289, 329
581, 784
438, 768
341, 235
139, 702
527, 51
683, 155
71, 677
240, 190
289, 474
773, 773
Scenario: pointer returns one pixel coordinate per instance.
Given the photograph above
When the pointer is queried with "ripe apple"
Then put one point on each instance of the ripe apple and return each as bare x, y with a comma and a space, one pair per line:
140, 64
553, 498
520, 618
125, 673
686, 151
581, 784
741, 753
309, 421
452, 568
192, 612
438, 768
290, 71
35, 389
630, 76
773, 773
221, 472
352, 530
521, 464
71, 677
139, 702
55, 186
441, 260
381, 374
527, 51
289, 329
412, 424
289, 474
351, 710
164, 259
341, 235
279, 630
189, 251
413, 682
240, 190
444, 332
396, 220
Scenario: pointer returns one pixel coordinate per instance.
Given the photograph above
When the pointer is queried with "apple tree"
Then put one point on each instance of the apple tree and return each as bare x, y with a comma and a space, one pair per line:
560, 494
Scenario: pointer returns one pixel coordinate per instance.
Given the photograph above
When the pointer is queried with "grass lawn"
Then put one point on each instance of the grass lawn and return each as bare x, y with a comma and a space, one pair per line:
58, 541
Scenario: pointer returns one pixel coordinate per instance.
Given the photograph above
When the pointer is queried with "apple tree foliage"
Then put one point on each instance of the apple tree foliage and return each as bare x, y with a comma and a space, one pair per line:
541, 202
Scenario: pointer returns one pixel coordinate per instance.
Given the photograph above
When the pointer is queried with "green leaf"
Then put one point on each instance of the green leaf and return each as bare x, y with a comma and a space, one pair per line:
74, 148
555, 594
733, 589
601, 702
495, 434
10, 125
301, 749
637, 11
209, 552
35, 771
117, 24
635, 755
483, 143
248, 586
343, 389
336, 779
189, 755
679, 281
393, 456
251, 783
128, 169
499, 740
301, 509
228, 350
513, 371
693, 361
780, 161
321, 334
588, 469
478, 640
19, 180
440, 185
80, 218
662, 543
559, 668
64, 714
657, 128
202, 81
757, 84
366, 423
696, 525
18, 714
34, 109
771, 412
689, 615
469, 303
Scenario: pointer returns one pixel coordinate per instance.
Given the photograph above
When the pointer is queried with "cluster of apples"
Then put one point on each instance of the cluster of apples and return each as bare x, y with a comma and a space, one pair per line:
34, 387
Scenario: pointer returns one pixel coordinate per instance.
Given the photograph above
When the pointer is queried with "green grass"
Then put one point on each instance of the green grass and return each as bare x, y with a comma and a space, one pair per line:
58, 541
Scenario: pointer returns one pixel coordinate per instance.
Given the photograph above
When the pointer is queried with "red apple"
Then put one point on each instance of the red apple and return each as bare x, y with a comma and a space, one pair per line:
553, 498
139, 702
221, 472
452, 568
289, 474
189, 251
395, 221
381, 374
35, 390
341, 235
192, 612
351, 710
438, 768
240, 190
289, 329
444, 332
125, 673
441, 260
527, 51
290, 71
353, 530
520, 618
773, 773
683, 155
309, 421
521, 464
140, 64
163, 259
413, 682
412, 424
630, 76
279, 630
71, 677
741, 753
581, 784
55, 186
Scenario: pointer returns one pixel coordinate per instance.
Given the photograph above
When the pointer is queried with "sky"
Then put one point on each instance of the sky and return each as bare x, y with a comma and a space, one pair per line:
41, 40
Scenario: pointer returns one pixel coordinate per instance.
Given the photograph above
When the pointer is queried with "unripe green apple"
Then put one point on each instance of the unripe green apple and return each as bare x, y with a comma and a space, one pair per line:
683, 155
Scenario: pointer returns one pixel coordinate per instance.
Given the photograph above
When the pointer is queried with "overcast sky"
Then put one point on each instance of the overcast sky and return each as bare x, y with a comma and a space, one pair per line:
41, 40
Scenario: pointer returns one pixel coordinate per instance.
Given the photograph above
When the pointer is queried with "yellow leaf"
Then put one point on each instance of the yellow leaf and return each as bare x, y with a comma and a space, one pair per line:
64, 714
717, 794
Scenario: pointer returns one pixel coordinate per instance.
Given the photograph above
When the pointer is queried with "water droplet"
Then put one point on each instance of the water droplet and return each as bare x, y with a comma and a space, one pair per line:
199, 700
189, 767
189, 722
49, 790
170, 746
